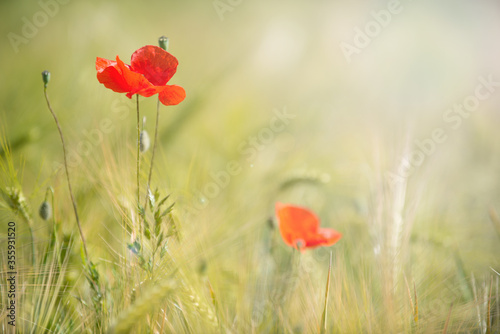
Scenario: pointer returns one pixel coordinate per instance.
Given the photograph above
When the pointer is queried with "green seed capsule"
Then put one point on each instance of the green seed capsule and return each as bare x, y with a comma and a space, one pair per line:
144, 141
163, 42
45, 210
46, 78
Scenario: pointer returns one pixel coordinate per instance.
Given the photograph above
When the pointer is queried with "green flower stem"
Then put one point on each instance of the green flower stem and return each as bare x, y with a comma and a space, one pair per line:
54, 223
154, 150
67, 174
138, 166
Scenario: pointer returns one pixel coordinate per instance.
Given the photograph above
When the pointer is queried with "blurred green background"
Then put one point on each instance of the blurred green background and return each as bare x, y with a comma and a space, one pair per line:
355, 122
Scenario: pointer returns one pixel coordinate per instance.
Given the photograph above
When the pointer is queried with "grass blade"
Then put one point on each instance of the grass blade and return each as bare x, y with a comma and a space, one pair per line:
447, 320
324, 320
488, 315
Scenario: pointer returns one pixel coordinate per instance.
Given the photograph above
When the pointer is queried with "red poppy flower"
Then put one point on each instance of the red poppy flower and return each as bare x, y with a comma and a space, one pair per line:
299, 227
150, 69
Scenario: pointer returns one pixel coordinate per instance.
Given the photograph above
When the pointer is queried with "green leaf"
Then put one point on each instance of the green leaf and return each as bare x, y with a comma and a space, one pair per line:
164, 249
135, 247
147, 233
160, 239
146, 223
168, 210
157, 193
152, 199
174, 229
163, 201
157, 217
141, 210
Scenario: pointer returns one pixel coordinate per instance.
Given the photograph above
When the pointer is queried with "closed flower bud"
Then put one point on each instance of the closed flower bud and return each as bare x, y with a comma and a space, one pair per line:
46, 78
163, 42
144, 141
45, 210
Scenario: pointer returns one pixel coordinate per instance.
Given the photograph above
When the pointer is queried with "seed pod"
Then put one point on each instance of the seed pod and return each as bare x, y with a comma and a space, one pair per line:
45, 210
46, 78
144, 141
163, 42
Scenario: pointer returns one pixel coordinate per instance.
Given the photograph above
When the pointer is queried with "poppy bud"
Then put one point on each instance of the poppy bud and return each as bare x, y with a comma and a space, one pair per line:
163, 42
45, 210
270, 223
46, 78
144, 141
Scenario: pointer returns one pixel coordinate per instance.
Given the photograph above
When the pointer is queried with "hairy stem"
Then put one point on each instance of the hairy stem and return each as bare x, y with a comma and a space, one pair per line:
67, 174
154, 150
138, 165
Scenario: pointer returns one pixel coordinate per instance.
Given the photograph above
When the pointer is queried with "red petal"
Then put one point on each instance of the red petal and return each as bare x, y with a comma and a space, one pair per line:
119, 78
150, 91
101, 64
300, 227
296, 223
156, 64
172, 95
112, 78
324, 237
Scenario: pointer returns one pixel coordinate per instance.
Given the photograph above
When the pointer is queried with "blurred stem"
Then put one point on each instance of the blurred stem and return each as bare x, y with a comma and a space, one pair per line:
67, 174
154, 150
324, 316
138, 165
54, 224
32, 235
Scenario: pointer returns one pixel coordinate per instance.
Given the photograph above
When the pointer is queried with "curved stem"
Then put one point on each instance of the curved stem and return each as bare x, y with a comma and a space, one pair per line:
138, 165
67, 175
154, 150
32, 236
54, 224
54, 229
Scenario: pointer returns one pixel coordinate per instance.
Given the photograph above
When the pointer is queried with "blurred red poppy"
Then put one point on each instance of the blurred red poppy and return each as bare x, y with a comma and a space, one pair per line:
150, 70
300, 228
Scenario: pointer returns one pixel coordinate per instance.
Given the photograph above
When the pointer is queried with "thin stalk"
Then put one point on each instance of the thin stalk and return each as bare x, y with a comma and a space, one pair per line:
154, 150
54, 224
67, 174
323, 324
138, 165
445, 329
32, 236
53, 216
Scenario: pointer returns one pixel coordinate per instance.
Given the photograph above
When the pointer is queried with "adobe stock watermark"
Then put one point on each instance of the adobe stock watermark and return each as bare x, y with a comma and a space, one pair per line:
372, 29
92, 138
223, 6
31, 26
249, 150
452, 118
